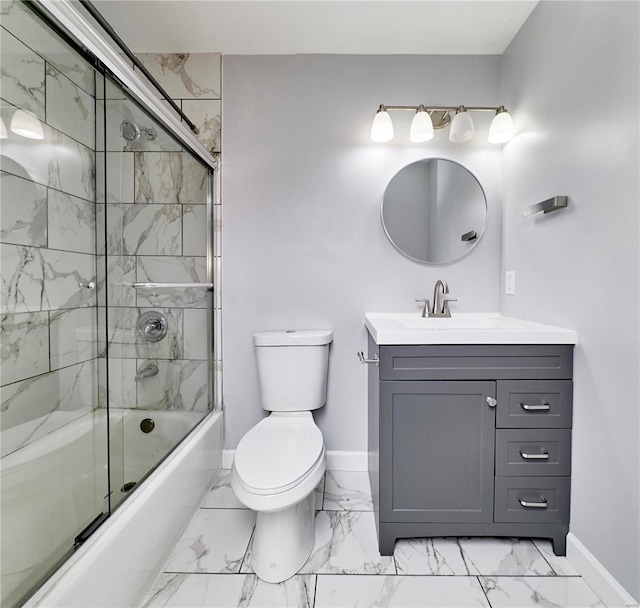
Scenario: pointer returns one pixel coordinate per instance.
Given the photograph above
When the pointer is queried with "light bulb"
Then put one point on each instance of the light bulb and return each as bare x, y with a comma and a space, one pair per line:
421, 126
27, 124
501, 129
3, 129
382, 127
462, 129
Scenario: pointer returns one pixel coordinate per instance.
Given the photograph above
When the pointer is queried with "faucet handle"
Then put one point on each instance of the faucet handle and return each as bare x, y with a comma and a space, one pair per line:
427, 306
445, 307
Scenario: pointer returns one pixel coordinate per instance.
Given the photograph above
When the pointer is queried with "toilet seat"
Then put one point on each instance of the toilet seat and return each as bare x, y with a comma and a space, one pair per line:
278, 453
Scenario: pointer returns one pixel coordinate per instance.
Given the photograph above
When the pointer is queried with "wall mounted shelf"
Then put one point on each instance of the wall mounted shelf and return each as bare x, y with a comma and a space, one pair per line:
551, 204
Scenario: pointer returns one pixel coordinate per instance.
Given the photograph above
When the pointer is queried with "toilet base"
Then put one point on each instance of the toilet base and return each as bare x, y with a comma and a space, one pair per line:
283, 540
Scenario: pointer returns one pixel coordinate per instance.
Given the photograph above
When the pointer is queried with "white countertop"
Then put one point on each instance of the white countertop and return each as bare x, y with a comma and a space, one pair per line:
463, 328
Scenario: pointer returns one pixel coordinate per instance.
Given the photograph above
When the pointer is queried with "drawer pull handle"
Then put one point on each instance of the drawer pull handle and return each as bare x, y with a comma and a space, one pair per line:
534, 505
492, 402
544, 406
541, 455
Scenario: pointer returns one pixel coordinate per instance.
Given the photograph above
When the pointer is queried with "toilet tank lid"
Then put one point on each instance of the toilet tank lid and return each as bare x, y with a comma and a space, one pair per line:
293, 337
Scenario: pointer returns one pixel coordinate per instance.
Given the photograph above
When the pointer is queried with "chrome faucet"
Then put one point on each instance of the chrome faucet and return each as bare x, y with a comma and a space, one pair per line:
440, 306
150, 369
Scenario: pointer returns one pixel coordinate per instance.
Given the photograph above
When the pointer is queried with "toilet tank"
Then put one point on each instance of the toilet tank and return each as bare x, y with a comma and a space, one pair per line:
292, 368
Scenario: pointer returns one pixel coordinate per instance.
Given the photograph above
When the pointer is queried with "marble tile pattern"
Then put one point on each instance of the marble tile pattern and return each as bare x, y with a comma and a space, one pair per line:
186, 75
48, 227
211, 564
23, 213
22, 76
26, 26
206, 115
70, 109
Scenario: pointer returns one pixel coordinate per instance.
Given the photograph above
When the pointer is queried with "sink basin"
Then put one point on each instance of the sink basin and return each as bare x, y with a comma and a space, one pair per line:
463, 328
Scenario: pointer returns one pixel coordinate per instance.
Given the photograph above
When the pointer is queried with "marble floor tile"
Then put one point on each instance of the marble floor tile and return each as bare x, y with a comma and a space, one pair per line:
432, 557
228, 591
215, 541
347, 491
346, 543
550, 591
561, 565
504, 557
221, 495
399, 592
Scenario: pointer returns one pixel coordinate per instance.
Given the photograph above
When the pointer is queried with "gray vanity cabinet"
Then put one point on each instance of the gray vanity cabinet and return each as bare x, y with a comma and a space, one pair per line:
438, 435
470, 440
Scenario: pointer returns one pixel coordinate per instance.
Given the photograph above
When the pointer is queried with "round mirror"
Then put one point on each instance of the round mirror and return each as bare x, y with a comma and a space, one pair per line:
434, 211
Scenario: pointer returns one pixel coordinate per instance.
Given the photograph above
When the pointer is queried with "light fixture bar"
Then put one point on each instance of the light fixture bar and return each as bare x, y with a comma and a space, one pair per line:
443, 108
462, 128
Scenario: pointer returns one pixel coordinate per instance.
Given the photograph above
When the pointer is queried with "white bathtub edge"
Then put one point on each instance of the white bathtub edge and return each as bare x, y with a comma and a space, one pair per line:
115, 566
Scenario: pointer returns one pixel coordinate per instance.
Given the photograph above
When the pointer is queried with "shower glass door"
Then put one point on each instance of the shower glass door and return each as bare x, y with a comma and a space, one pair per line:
101, 376
156, 216
53, 465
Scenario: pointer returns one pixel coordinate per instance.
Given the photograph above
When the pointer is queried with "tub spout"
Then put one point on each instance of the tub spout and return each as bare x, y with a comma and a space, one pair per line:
151, 369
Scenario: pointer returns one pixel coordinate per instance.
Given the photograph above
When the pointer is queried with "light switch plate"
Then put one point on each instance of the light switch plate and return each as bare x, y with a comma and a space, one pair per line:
510, 283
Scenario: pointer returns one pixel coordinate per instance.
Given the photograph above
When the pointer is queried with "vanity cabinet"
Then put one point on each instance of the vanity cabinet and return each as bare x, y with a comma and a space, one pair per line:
470, 440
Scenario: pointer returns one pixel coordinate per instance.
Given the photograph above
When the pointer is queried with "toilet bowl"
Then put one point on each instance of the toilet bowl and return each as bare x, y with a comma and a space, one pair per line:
280, 462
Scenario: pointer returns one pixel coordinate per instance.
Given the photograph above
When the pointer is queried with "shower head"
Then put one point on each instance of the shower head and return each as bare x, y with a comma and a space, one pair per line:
132, 132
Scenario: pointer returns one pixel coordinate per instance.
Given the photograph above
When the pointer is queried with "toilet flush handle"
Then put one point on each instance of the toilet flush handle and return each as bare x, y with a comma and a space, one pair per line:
363, 360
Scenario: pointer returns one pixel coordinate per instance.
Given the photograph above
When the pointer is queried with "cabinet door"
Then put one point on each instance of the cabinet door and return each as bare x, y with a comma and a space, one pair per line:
436, 451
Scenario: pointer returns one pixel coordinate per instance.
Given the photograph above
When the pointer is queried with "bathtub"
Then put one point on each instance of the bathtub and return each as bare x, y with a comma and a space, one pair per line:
53, 487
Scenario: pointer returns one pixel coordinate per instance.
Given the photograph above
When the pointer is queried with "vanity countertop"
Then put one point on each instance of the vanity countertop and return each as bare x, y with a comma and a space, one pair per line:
463, 328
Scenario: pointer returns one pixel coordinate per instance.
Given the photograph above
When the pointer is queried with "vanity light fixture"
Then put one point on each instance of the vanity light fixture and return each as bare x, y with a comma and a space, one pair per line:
382, 127
428, 118
501, 128
462, 129
26, 124
421, 126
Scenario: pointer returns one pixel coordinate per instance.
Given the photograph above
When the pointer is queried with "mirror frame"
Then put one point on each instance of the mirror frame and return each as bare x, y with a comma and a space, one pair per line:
477, 240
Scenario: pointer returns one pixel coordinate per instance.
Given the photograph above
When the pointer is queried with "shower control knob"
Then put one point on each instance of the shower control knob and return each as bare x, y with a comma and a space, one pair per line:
152, 326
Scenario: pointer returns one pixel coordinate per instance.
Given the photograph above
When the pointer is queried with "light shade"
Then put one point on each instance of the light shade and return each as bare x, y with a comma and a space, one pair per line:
421, 127
462, 128
501, 129
26, 124
382, 127
3, 129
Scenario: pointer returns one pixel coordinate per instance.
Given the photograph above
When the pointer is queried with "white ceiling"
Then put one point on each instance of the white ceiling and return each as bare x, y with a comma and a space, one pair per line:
264, 27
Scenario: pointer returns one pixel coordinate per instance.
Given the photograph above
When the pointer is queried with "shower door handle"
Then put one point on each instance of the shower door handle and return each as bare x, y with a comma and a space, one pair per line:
175, 285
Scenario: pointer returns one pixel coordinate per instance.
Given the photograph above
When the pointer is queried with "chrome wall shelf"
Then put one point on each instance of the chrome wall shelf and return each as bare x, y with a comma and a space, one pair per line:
551, 204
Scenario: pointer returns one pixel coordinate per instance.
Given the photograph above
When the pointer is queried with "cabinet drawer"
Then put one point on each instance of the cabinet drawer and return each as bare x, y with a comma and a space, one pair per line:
533, 452
476, 362
534, 404
532, 499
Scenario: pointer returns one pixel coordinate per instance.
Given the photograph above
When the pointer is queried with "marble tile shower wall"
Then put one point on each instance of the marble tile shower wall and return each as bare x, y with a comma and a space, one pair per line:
156, 209
48, 221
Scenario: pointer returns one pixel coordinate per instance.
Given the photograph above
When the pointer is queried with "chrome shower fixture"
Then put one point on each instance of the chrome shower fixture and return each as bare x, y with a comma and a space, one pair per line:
132, 132
428, 118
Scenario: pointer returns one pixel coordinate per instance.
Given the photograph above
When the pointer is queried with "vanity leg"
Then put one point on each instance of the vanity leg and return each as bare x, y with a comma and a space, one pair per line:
559, 544
386, 543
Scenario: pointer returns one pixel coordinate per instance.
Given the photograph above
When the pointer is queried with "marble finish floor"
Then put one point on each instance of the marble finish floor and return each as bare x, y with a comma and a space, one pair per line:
211, 564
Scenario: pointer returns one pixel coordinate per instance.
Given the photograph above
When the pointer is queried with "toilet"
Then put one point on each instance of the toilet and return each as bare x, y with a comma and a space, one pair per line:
279, 462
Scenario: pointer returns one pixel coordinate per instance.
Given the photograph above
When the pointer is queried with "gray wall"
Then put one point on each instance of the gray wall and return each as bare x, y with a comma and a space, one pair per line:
302, 187
571, 79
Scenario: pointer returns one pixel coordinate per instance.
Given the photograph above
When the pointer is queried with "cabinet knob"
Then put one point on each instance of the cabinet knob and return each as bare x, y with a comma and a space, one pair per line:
492, 402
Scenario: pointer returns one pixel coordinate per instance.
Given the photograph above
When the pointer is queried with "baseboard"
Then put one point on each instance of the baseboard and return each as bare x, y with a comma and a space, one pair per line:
597, 576
227, 457
337, 460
